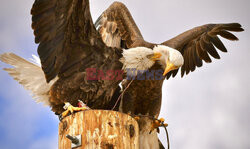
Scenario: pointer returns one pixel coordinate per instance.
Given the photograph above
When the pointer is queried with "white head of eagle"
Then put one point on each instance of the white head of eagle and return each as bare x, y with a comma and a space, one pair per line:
142, 58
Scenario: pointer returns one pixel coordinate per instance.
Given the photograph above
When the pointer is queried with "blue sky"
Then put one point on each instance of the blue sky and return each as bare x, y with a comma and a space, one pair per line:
207, 109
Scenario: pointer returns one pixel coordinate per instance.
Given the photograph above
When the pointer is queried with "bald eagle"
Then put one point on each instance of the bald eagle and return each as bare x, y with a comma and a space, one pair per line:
118, 29
70, 45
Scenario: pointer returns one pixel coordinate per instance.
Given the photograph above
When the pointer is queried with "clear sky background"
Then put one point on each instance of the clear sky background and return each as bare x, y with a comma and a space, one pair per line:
207, 109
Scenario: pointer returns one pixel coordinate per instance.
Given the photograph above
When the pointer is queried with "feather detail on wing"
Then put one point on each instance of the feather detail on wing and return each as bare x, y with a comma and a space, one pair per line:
69, 44
36, 60
117, 27
29, 75
198, 44
65, 32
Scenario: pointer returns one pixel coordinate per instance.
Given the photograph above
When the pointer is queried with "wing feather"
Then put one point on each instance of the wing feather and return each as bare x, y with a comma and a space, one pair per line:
197, 44
227, 35
187, 68
29, 75
191, 59
69, 44
62, 29
118, 21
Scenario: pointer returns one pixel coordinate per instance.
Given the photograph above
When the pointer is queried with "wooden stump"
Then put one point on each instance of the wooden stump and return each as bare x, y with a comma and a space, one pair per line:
100, 129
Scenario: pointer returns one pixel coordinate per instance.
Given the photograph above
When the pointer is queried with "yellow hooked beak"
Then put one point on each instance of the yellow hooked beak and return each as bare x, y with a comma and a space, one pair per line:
169, 68
156, 56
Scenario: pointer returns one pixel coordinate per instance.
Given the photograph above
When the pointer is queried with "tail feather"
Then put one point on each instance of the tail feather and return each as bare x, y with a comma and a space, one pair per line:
29, 75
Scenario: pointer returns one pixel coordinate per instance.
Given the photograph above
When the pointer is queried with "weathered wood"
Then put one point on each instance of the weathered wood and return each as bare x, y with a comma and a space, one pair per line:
100, 129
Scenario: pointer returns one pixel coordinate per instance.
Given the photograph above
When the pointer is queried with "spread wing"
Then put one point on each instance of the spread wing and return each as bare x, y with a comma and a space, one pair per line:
29, 75
69, 44
198, 44
118, 28
66, 36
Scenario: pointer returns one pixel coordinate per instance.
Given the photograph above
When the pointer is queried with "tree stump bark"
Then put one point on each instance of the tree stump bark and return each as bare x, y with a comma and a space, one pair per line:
100, 129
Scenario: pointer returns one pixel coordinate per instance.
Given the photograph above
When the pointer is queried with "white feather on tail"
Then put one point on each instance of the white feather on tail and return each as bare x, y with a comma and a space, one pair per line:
29, 75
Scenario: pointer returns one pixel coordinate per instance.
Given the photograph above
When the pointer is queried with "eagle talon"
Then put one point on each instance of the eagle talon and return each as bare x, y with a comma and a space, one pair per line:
162, 120
158, 123
137, 118
71, 109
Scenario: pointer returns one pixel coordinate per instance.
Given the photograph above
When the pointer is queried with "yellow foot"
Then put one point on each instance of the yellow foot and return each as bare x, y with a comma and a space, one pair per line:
137, 118
71, 109
158, 123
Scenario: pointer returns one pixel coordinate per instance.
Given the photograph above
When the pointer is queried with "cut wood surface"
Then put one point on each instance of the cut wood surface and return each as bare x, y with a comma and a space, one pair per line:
100, 129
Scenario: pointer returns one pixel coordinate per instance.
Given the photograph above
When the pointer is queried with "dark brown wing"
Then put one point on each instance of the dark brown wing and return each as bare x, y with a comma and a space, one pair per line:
198, 44
69, 44
65, 33
118, 28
